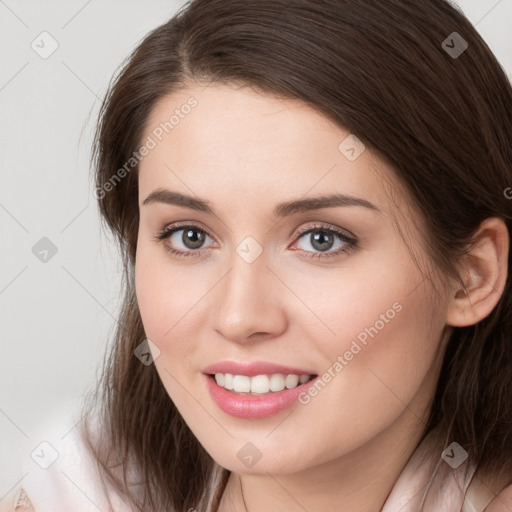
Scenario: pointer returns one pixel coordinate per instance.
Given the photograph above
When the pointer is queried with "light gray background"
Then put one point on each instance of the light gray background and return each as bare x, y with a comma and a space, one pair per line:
55, 317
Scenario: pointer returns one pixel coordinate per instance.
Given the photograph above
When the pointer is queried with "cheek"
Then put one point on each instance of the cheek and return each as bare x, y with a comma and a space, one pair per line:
168, 294
379, 341
369, 303
386, 348
378, 330
152, 298
166, 298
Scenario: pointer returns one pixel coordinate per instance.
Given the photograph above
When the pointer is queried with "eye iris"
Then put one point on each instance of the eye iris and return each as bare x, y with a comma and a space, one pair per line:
320, 238
193, 238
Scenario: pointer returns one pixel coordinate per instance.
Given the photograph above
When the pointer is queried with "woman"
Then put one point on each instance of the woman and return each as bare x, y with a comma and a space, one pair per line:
312, 200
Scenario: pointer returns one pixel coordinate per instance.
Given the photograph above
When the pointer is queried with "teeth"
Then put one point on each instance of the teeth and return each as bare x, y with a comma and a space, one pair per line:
241, 383
260, 384
228, 381
220, 379
276, 382
304, 378
291, 381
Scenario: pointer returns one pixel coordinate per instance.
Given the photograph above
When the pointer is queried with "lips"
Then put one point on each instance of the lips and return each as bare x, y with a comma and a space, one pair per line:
254, 368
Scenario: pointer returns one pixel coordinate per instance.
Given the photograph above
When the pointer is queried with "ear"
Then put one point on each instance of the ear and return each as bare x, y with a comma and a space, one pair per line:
484, 272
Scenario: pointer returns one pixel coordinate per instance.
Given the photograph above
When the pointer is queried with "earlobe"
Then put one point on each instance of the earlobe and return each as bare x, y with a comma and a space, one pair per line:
484, 274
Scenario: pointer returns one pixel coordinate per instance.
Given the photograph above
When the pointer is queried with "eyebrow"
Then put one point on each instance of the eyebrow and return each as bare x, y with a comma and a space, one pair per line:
281, 210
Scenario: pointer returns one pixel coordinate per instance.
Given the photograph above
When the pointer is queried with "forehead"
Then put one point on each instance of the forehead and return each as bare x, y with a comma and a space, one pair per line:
234, 139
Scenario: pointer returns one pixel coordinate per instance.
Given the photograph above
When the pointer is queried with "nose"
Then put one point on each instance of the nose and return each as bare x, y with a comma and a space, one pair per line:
249, 303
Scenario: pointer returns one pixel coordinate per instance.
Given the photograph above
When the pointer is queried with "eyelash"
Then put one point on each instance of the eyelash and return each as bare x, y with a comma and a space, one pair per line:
351, 243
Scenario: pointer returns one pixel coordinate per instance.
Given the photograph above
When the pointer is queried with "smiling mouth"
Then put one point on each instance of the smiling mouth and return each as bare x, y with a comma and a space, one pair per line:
264, 384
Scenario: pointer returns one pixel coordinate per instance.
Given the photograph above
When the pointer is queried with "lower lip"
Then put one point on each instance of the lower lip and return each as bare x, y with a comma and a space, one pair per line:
254, 406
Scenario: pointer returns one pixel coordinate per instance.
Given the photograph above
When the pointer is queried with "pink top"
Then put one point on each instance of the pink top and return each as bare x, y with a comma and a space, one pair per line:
60, 475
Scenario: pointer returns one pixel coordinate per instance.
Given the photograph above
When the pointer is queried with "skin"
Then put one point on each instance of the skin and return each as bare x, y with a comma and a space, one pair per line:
245, 152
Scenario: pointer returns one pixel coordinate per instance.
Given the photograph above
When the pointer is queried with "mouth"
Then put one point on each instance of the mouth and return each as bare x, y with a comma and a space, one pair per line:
257, 396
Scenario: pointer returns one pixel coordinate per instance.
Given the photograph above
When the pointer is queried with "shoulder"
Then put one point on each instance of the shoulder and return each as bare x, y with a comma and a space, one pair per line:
502, 502
60, 474
489, 493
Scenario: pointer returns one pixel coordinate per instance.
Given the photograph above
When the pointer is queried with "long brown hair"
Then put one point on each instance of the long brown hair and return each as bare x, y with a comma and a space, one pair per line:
441, 116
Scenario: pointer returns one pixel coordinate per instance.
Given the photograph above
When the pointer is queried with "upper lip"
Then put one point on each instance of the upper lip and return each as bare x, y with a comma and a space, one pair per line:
253, 368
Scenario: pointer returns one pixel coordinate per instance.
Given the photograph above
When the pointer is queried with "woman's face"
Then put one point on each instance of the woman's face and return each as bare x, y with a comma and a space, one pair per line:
268, 274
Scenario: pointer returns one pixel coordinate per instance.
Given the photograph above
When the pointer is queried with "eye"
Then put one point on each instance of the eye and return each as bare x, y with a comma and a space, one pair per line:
322, 238
190, 237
